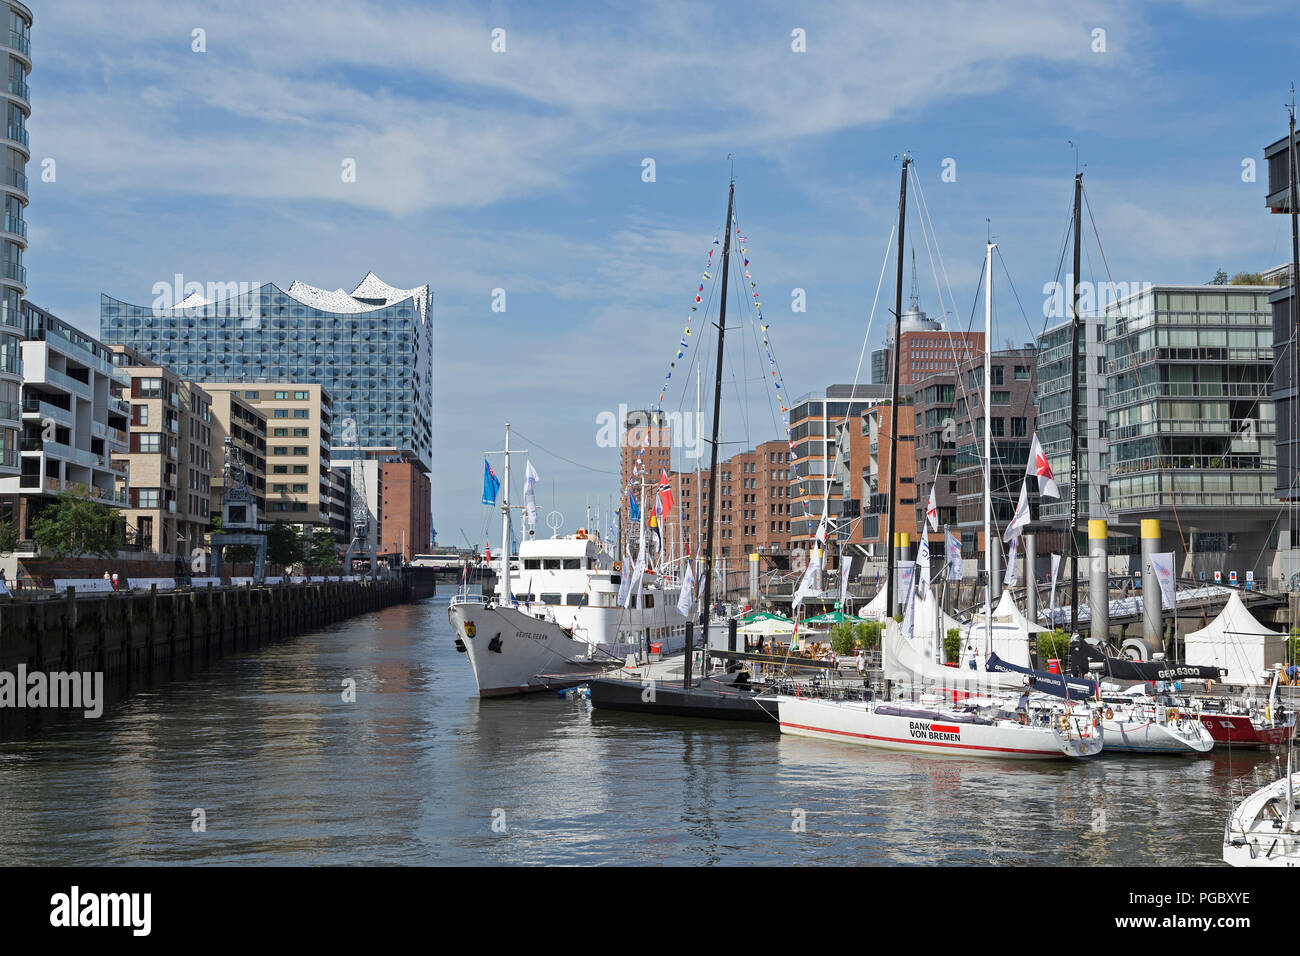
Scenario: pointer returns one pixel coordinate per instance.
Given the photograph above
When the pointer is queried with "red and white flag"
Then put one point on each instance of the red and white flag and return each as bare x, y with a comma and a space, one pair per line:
1040, 469
932, 512
665, 494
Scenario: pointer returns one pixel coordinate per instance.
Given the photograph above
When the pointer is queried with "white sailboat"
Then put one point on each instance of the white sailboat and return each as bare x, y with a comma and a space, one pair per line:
994, 731
1138, 723
1264, 829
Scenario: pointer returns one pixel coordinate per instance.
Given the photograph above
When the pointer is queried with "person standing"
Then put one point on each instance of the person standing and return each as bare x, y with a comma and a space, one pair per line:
862, 662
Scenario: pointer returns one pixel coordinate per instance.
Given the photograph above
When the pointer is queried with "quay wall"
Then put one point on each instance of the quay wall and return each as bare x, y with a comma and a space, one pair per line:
125, 635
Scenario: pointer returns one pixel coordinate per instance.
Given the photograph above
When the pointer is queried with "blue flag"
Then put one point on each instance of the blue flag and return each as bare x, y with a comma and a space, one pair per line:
633, 509
490, 484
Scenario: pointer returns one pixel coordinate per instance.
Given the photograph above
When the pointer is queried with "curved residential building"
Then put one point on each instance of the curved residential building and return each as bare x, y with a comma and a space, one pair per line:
15, 47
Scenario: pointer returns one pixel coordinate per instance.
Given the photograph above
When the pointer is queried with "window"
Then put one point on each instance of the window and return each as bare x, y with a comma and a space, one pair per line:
150, 443
279, 449
281, 396
146, 497
150, 387
279, 433
997, 375
300, 450
1018, 427
280, 413
251, 394
297, 469
299, 488
301, 413
300, 433
301, 396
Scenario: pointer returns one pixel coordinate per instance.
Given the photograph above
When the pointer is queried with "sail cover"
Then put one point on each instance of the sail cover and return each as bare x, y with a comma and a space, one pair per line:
1058, 685
903, 663
1082, 654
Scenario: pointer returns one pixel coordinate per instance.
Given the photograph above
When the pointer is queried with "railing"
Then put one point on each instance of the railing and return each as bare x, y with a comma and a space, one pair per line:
1232, 426
20, 88
13, 177
9, 458
31, 404
67, 381
15, 271
1194, 499
17, 225
120, 405
1189, 390
10, 411
1252, 463
18, 134
107, 432
20, 42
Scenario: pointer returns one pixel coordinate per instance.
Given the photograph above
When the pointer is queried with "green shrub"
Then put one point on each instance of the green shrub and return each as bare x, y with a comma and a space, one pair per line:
952, 646
1053, 644
842, 639
868, 634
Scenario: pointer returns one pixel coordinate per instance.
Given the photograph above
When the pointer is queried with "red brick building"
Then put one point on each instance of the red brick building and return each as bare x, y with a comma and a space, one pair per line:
404, 495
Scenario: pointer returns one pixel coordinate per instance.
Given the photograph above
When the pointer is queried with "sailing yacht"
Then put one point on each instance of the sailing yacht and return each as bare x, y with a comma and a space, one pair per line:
556, 619
994, 730
1264, 829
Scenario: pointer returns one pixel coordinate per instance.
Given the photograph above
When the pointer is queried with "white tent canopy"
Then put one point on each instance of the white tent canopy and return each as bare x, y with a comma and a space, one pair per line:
1236, 642
1009, 637
875, 609
767, 627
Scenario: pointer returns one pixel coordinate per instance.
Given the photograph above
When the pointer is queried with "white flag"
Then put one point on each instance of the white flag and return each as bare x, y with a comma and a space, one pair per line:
635, 585
809, 579
906, 581
1038, 467
1021, 517
687, 596
1012, 575
530, 495
932, 510
1056, 564
923, 566
625, 582
846, 572
1162, 565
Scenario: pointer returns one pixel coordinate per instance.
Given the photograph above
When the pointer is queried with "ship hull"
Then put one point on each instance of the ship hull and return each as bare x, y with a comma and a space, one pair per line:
858, 723
1240, 731
513, 653
1149, 737
703, 701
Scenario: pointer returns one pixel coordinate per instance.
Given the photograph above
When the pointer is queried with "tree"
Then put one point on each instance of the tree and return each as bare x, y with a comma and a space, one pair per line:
8, 536
868, 634
1220, 278
283, 544
952, 646
842, 638
1247, 278
71, 527
323, 552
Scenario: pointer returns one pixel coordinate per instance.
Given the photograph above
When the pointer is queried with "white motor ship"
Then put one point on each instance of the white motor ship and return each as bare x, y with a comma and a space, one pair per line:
563, 623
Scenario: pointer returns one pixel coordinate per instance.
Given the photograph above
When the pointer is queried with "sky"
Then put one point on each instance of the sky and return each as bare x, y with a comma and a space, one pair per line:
501, 155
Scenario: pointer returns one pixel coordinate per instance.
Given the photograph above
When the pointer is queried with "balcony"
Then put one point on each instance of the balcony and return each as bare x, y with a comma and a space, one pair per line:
18, 134
16, 272
121, 406
34, 406
55, 377
12, 177
16, 225
9, 458
21, 43
20, 89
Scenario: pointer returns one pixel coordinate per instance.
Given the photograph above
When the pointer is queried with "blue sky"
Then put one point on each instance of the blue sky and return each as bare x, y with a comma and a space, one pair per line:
522, 171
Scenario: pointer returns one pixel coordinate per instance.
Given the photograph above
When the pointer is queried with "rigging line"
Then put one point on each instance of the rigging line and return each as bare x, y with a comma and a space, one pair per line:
547, 451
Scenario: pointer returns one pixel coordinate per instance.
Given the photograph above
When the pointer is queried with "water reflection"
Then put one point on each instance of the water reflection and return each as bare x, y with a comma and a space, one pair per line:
418, 769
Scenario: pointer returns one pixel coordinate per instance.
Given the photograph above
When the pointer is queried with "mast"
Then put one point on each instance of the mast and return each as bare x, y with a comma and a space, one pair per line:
1074, 412
893, 413
698, 449
1295, 266
989, 544
717, 407
504, 596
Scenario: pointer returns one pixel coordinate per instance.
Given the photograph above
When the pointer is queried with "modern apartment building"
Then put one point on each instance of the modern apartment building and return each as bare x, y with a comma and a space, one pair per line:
299, 420
370, 349
868, 478
925, 348
168, 479
934, 403
72, 424
15, 48
814, 419
1190, 422
1054, 411
1011, 423
244, 424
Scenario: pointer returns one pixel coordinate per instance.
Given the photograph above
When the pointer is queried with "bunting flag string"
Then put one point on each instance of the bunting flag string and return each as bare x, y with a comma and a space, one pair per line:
683, 345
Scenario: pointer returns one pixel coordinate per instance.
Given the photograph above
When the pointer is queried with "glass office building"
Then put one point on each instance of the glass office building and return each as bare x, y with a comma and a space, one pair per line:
1190, 425
371, 348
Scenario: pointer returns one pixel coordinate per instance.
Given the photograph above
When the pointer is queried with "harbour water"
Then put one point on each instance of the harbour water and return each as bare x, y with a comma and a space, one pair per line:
418, 771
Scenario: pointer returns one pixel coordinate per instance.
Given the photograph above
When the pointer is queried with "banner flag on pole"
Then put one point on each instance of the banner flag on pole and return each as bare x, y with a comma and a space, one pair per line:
1162, 563
530, 495
687, 596
1013, 575
923, 566
1038, 467
491, 484
1021, 517
907, 582
846, 571
954, 557
932, 511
